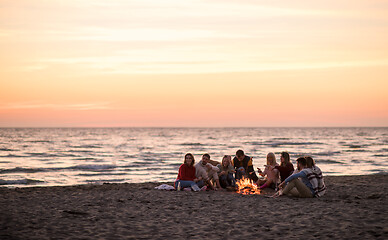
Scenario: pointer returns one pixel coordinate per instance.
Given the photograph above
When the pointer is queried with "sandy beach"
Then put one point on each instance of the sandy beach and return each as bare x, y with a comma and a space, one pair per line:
354, 207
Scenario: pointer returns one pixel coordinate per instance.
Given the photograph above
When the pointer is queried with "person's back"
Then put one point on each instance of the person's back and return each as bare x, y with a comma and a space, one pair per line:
320, 190
316, 177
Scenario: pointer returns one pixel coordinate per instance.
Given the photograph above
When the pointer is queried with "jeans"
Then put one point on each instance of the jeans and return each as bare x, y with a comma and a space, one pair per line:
184, 183
227, 180
240, 172
201, 183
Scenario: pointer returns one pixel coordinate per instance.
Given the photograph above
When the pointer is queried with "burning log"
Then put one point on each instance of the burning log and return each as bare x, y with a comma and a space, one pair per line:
246, 186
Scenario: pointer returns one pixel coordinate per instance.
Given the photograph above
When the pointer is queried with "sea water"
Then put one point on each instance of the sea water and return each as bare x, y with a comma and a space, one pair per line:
70, 156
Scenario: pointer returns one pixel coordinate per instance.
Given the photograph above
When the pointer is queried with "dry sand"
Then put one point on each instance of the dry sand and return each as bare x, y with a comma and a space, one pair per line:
353, 207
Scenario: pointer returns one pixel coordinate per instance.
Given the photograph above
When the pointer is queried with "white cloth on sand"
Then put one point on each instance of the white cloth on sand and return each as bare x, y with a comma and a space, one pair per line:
165, 187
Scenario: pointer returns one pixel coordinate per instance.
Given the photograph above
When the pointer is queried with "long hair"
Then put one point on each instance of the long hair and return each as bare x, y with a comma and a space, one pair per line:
286, 157
271, 159
309, 161
189, 154
228, 158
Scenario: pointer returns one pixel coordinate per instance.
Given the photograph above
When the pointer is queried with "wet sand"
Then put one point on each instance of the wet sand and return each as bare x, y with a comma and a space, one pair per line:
353, 207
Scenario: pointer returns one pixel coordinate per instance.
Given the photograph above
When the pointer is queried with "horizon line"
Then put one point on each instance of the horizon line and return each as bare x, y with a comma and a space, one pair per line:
1, 127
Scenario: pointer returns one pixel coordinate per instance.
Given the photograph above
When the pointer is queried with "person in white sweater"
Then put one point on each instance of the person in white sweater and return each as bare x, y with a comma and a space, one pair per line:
206, 171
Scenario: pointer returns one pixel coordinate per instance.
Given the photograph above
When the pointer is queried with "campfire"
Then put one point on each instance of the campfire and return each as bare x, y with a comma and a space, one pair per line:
246, 186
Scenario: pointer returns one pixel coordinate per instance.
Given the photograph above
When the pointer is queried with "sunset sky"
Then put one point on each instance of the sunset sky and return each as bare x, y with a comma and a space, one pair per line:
191, 63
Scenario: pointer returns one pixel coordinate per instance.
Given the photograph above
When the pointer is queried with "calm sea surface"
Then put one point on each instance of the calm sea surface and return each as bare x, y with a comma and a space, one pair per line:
68, 156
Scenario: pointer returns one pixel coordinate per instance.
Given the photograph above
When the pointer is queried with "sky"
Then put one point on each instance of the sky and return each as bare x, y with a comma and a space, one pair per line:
193, 63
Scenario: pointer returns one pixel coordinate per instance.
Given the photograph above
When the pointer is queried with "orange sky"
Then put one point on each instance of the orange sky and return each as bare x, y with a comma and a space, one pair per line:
193, 63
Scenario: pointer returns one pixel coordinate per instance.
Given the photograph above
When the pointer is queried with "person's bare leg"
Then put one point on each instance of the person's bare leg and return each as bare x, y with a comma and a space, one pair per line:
218, 183
260, 182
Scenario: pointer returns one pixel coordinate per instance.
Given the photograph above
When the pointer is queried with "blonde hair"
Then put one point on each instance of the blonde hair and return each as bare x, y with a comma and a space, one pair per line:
229, 159
271, 159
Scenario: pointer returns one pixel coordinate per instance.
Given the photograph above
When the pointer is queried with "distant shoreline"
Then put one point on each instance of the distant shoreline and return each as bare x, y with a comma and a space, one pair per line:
161, 127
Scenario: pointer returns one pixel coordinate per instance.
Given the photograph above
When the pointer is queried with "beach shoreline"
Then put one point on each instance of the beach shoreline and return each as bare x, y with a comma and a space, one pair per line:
353, 207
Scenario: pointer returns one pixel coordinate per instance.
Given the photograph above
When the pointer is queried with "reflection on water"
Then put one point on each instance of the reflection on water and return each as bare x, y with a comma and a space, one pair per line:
55, 156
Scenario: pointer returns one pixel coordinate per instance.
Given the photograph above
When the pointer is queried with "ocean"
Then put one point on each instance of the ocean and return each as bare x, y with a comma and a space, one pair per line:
72, 156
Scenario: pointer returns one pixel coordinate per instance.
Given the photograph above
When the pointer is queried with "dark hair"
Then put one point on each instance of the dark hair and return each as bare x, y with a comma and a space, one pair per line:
206, 155
302, 161
309, 161
286, 157
239, 153
189, 154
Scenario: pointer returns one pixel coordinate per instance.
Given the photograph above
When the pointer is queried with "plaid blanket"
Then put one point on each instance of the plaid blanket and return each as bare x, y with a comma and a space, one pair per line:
315, 177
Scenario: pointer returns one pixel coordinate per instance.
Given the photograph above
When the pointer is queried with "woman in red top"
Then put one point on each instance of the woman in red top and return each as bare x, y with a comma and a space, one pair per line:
186, 175
286, 168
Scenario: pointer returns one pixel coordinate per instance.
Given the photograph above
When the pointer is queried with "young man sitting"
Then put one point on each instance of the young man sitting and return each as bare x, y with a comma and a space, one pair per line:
243, 166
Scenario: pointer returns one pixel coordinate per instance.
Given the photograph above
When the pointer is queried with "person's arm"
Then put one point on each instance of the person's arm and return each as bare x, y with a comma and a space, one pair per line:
180, 174
213, 162
292, 177
260, 172
231, 169
220, 172
297, 175
202, 173
280, 168
212, 167
197, 179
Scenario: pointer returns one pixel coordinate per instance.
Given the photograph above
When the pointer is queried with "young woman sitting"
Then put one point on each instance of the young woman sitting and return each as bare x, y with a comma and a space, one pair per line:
286, 168
270, 172
186, 175
226, 172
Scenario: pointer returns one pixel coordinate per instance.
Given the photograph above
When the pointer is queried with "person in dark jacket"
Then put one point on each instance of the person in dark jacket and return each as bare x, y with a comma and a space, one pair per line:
243, 165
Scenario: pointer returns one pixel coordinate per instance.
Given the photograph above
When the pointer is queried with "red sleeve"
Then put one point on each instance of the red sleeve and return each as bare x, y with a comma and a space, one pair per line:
180, 172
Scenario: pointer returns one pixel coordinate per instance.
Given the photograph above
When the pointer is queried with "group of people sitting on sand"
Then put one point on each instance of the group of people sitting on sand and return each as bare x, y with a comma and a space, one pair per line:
305, 181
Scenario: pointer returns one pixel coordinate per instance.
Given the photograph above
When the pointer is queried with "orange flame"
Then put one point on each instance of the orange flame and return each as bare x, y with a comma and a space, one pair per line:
246, 186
